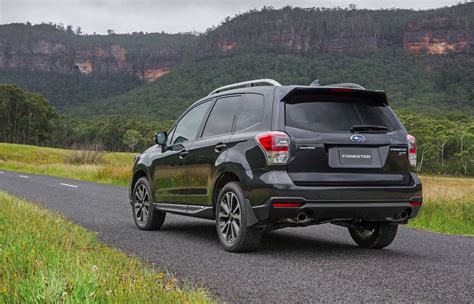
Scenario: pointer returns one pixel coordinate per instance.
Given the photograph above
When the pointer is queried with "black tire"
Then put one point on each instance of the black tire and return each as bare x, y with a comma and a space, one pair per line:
375, 235
145, 215
245, 238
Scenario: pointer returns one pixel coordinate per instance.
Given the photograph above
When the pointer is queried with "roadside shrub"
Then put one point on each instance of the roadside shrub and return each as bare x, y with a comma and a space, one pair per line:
85, 155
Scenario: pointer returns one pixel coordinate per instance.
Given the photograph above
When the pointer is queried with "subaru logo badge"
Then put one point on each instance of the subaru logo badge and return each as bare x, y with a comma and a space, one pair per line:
358, 138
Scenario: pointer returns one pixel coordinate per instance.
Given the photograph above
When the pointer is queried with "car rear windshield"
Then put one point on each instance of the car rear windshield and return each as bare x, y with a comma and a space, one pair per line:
326, 113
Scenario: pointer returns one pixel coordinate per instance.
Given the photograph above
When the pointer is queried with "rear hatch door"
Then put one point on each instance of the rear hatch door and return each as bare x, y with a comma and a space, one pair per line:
344, 137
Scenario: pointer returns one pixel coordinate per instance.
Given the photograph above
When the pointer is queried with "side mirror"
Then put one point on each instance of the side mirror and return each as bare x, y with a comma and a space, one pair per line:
160, 138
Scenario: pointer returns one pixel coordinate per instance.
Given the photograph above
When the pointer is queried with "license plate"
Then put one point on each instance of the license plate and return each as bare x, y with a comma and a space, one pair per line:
355, 156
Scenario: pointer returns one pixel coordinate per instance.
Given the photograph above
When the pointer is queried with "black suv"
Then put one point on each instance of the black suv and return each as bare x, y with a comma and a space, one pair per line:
257, 156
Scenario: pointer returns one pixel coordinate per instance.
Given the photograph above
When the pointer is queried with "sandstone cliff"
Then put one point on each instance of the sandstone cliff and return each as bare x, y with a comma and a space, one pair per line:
289, 30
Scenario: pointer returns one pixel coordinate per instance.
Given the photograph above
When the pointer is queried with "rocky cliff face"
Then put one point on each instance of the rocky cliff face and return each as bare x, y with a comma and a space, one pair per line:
424, 42
294, 30
438, 42
51, 56
289, 30
436, 36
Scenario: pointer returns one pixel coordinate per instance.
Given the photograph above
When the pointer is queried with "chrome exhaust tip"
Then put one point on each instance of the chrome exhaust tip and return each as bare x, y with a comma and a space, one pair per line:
302, 217
403, 215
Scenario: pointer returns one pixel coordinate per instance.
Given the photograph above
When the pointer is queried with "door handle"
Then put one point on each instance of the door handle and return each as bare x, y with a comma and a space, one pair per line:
183, 154
220, 147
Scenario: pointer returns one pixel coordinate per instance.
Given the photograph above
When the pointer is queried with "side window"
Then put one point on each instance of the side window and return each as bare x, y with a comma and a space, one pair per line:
188, 126
251, 111
221, 119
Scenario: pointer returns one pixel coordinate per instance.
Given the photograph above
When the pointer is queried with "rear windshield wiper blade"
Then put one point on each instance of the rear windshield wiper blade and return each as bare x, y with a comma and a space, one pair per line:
368, 128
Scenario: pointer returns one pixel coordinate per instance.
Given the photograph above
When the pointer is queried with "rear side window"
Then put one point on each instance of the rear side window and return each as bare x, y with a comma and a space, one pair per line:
221, 119
337, 114
251, 111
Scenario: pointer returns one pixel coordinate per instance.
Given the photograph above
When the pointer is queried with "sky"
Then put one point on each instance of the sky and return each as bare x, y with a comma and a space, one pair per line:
172, 16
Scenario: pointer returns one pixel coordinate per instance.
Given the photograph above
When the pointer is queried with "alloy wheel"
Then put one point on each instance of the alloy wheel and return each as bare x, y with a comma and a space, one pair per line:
229, 217
142, 203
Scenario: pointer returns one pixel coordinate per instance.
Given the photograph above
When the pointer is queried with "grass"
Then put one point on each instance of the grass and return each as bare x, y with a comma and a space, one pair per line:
448, 205
112, 167
46, 259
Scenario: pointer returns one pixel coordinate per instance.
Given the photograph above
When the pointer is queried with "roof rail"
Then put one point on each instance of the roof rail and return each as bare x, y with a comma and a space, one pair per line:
250, 83
346, 85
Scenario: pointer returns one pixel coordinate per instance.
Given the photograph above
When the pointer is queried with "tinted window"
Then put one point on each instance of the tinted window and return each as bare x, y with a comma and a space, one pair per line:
188, 126
222, 116
251, 111
338, 116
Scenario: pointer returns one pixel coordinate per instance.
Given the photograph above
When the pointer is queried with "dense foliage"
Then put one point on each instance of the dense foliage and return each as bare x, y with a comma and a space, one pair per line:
445, 144
24, 117
403, 77
28, 118
109, 132
65, 90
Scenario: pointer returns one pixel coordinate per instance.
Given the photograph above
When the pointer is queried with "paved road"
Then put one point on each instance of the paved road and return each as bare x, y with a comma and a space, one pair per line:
312, 264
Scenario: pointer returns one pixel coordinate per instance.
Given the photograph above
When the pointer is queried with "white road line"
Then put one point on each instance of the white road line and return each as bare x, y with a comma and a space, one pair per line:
68, 185
1, 172
23, 176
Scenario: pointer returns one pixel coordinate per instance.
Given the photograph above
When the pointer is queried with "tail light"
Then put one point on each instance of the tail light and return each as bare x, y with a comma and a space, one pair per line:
412, 149
276, 146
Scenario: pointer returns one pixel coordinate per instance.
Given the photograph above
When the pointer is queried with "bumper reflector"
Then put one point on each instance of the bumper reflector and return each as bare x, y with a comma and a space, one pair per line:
287, 205
415, 204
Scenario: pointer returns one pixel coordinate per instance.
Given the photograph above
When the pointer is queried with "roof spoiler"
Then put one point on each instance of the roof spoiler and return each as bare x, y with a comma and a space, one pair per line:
338, 85
304, 93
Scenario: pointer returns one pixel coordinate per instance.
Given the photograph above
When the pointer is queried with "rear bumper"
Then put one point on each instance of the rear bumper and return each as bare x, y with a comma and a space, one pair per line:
374, 203
326, 212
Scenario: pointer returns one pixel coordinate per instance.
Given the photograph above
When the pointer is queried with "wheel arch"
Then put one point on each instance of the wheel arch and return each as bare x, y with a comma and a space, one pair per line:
137, 174
224, 178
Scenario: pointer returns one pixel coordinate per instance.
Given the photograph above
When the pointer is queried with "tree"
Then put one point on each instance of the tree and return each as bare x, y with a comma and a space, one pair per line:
78, 30
24, 117
110, 32
131, 138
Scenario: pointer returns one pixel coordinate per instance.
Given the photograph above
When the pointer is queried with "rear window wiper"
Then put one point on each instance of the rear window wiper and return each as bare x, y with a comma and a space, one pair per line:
369, 128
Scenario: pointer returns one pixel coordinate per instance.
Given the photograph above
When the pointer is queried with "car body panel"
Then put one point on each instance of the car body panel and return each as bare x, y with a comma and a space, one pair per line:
204, 161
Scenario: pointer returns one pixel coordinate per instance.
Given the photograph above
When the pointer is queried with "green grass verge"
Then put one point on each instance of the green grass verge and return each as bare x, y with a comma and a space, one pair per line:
446, 218
47, 259
114, 168
448, 205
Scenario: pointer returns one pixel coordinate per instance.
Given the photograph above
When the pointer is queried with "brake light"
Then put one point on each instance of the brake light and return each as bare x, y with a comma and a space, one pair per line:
287, 205
411, 149
275, 145
415, 204
341, 90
